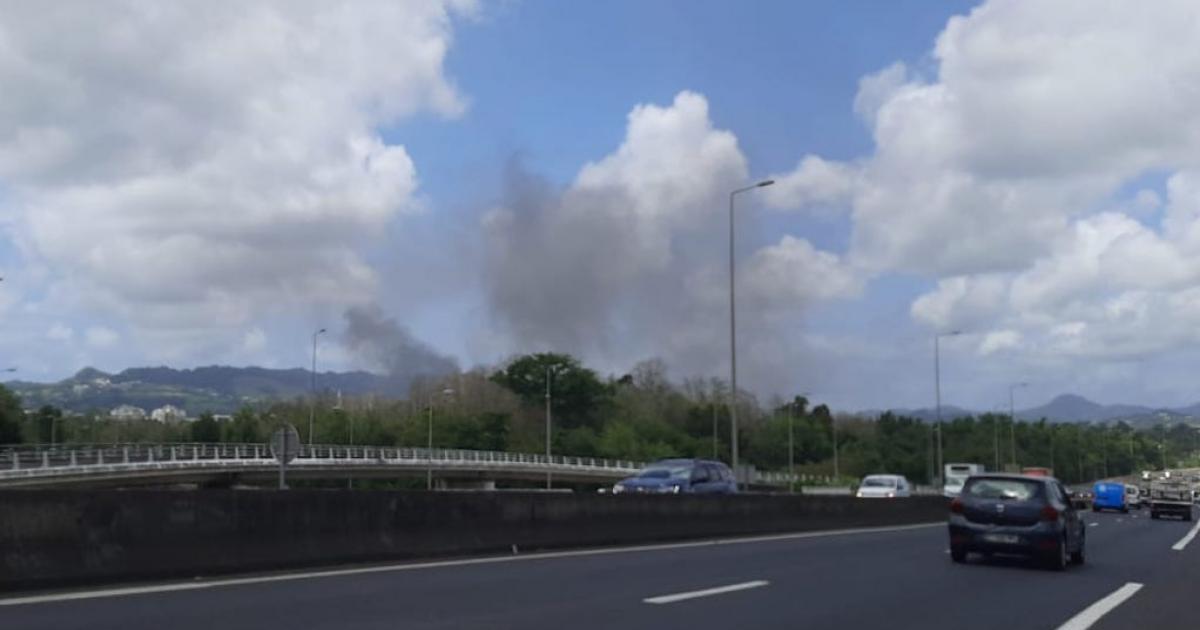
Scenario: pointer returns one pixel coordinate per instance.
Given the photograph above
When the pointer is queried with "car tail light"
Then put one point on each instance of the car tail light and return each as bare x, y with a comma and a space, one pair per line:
891, 495
1049, 513
956, 506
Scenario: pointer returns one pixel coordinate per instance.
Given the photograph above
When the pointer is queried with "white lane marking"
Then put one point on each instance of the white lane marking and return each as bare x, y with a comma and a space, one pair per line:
1183, 542
1093, 524
196, 585
1103, 606
678, 597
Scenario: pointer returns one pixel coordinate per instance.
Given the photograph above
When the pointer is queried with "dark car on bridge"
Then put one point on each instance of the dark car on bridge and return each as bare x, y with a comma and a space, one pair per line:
680, 476
1017, 514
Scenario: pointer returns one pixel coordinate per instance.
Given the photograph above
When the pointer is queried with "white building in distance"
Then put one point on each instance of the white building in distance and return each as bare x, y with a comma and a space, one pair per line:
168, 413
127, 413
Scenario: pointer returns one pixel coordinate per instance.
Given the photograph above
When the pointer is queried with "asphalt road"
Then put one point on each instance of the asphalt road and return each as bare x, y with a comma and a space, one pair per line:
894, 579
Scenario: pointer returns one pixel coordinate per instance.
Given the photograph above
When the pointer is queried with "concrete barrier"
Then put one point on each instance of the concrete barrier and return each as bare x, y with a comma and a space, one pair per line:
60, 537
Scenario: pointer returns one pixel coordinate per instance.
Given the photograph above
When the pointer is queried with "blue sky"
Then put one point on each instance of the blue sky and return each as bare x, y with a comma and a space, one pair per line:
512, 176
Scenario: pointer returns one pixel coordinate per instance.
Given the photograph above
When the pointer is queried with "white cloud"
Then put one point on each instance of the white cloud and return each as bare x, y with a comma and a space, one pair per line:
101, 337
794, 273
189, 167
999, 340
60, 332
254, 341
813, 182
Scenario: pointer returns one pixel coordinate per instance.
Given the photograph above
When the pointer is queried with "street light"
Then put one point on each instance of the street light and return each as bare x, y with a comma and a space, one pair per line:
429, 449
549, 478
1012, 422
937, 391
733, 421
312, 404
996, 413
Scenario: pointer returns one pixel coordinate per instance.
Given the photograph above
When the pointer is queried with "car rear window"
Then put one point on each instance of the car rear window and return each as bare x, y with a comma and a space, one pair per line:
879, 482
1011, 489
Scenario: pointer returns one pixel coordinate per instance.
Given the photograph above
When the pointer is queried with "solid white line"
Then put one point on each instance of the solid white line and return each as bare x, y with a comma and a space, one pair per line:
1093, 524
284, 577
1183, 542
1093, 613
678, 597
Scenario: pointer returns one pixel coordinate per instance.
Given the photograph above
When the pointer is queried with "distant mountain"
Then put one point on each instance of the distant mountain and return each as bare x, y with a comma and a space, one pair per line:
218, 389
1074, 408
1070, 408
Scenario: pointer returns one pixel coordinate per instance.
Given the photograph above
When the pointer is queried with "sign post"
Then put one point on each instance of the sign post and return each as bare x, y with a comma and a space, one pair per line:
285, 445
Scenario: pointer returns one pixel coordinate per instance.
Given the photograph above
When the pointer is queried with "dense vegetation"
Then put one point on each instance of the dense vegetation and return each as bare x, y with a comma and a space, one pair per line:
641, 416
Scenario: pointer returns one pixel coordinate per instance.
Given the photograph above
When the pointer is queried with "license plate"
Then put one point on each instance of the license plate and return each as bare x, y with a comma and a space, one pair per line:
1002, 539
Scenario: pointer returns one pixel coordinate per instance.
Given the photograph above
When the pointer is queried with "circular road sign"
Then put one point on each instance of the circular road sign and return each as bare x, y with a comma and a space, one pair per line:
285, 443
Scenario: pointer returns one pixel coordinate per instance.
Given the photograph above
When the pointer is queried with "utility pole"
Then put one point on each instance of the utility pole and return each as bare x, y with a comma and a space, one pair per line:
792, 446
714, 414
733, 389
312, 403
937, 390
1012, 421
549, 481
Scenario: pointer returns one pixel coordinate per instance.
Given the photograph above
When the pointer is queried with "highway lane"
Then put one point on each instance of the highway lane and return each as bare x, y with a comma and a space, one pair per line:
900, 578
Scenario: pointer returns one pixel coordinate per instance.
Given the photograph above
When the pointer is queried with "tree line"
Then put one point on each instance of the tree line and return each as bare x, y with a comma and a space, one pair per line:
640, 416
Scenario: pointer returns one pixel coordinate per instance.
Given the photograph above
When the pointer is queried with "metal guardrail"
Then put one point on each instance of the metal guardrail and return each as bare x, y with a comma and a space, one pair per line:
47, 463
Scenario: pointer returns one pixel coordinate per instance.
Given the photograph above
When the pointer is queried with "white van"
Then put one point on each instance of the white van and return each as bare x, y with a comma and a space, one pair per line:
956, 475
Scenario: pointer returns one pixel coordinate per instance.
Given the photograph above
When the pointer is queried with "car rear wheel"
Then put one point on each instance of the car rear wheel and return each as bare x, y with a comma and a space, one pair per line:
1154, 515
1077, 556
1187, 516
1058, 559
958, 554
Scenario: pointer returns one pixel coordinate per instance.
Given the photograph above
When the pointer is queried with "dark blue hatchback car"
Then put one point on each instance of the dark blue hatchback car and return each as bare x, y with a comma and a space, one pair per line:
680, 476
1017, 514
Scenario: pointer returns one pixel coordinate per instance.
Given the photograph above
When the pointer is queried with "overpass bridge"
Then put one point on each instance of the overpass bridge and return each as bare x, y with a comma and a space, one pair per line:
157, 464
149, 464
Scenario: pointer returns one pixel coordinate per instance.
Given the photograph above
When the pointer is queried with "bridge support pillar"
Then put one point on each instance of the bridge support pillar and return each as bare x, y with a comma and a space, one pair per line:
74, 459
45, 460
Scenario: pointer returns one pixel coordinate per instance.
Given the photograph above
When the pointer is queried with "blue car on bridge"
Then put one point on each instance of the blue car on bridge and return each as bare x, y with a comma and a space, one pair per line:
680, 476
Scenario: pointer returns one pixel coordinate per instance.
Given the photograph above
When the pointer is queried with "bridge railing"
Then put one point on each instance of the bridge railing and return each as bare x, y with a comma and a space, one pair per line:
26, 461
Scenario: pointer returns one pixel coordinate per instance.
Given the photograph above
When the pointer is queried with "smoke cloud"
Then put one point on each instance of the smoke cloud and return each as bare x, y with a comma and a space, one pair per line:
392, 348
629, 261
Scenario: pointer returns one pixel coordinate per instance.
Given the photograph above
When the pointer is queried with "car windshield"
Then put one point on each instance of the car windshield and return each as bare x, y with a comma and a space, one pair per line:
879, 482
666, 472
1007, 489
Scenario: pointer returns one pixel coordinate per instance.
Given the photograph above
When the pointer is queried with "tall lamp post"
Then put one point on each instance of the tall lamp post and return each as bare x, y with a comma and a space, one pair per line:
937, 392
312, 403
733, 419
1012, 422
996, 414
429, 444
549, 478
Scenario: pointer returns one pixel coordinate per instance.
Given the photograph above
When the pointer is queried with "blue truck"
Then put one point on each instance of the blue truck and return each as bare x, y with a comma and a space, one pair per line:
1110, 495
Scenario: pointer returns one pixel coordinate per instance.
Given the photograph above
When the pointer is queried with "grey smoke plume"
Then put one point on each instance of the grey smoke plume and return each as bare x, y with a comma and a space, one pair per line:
568, 272
390, 347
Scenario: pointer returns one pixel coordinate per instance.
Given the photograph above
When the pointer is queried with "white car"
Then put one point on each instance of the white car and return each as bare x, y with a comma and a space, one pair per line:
884, 487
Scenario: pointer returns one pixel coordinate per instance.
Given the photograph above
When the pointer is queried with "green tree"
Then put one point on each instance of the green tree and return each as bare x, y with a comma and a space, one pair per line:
11, 416
578, 396
47, 423
206, 429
